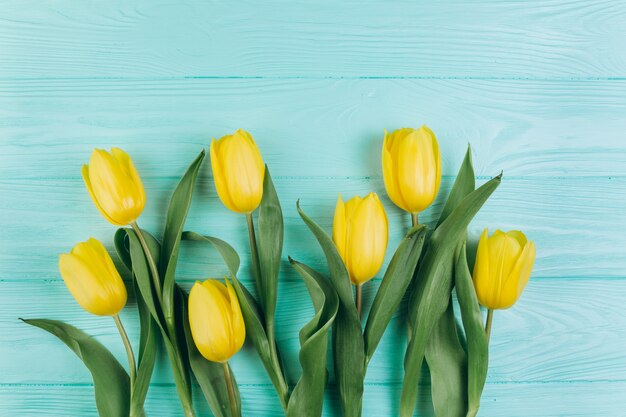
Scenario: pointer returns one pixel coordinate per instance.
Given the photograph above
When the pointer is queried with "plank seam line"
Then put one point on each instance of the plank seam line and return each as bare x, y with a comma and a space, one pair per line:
6, 179
331, 384
324, 77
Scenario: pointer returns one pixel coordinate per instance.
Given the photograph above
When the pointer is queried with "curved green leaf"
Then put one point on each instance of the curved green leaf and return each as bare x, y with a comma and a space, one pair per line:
110, 380
270, 246
148, 327
393, 287
251, 315
348, 344
430, 296
130, 251
477, 345
447, 362
146, 355
445, 355
174, 223
307, 398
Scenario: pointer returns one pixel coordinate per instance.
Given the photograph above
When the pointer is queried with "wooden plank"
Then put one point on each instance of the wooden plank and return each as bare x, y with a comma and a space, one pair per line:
330, 128
511, 400
486, 38
557, 332
575, 222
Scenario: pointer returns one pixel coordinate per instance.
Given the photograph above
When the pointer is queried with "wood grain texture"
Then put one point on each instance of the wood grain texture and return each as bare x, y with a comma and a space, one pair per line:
546, 337
486, 38
575, 235
519, 400
537, 87
524, 127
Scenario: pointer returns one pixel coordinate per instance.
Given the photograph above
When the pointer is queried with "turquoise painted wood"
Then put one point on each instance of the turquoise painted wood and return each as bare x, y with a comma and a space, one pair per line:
537, 87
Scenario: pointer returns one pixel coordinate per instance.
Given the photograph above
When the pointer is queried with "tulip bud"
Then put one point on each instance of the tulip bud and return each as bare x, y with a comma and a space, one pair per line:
411, 168
503, 265
114, 186
91, 277
360, 232
238, 171
215, 319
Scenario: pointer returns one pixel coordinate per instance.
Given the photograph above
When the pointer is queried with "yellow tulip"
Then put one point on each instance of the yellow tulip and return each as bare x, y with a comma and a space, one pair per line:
360, 233
114, 186
215, 319
91, 277
411, 168
504, 262
238, 171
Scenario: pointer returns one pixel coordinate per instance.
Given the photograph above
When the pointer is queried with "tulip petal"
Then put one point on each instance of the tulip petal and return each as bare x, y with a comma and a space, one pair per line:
519, 276
133, 176
243, 175
219, 178
237, 323
389, 175
368, 237
85, 173
482, 275
94, 288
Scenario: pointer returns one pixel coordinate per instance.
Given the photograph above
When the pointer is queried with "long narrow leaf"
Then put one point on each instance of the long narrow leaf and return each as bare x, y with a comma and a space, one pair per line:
395, 283
348, 344
447, 362
146, 357
308, 396
477, 345
270, 246
446, 358
431, 293
251, 315
174, 223
110, 380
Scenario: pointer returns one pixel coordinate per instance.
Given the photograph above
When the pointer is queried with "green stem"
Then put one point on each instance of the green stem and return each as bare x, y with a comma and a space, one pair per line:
268, 321
488, 325
255, 255
231, 390
154, 271
359, 299
414, 221
169, 331
129, 352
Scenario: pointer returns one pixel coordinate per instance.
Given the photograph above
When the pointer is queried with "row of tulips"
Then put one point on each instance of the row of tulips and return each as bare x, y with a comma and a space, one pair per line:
203, 330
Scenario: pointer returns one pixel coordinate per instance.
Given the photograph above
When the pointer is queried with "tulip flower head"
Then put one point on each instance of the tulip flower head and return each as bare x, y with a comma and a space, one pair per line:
360, 233
411, 168
215, 319
504, 262
238, 171
91, 277
114, 186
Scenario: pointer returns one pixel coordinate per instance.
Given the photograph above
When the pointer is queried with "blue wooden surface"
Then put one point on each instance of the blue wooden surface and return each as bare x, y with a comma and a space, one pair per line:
537, 87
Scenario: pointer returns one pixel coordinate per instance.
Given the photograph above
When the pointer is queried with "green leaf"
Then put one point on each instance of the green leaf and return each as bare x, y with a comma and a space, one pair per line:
210, 375
270, 246
348, 344
130, 251
393, 287
253, 319
110, 380
146, 355
307, 398
447, 363
430, 296
127, 240
464, 184
174, 223
445, 355
477, 345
